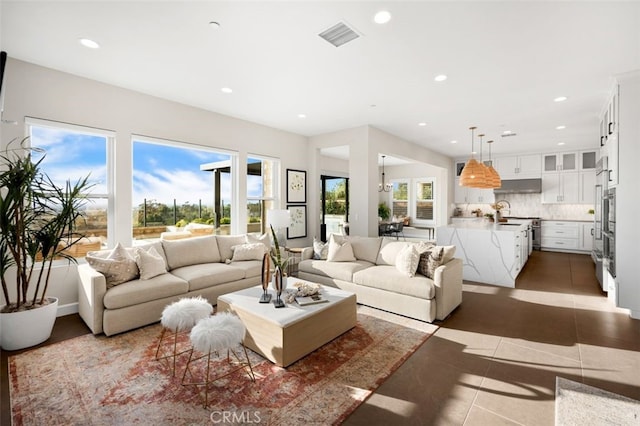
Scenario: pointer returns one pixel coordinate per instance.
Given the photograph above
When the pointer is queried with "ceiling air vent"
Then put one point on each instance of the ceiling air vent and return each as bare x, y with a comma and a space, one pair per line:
339, 34
508, 135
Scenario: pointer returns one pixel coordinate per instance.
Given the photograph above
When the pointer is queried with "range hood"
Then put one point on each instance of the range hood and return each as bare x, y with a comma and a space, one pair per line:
520, 186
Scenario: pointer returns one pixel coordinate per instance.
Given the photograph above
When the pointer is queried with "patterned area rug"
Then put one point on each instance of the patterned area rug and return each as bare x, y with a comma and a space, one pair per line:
102, 380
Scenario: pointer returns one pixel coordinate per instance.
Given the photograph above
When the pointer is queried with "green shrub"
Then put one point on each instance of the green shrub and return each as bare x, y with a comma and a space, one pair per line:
225, 220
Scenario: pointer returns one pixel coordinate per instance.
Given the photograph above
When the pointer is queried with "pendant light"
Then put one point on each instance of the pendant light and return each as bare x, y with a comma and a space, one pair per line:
493, 176
485, 181
473, 172
382, 186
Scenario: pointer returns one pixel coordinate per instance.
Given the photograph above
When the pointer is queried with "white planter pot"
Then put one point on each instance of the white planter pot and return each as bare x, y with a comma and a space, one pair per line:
19, 330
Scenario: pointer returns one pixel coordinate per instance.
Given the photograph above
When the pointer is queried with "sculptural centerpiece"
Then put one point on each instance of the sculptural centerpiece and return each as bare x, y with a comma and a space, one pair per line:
279, 285
266, 278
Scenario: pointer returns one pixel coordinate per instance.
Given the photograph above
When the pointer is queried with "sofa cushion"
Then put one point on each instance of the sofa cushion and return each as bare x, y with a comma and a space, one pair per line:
430, 261
208, 274
150, 263
320, 249
191, 251
251, 268
139, 291
264, 239
337, 270
364, 248
389, 250
225, 242
387, 277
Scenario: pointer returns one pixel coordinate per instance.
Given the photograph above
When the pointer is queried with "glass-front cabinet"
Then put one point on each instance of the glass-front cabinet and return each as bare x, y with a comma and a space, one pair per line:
563, 161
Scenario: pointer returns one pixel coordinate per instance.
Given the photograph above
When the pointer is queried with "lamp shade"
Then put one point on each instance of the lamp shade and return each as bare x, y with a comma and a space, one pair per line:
279, 218
473, 174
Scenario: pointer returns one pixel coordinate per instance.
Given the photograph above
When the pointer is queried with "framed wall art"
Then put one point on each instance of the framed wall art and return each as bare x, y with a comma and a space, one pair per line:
296, 186
298, 227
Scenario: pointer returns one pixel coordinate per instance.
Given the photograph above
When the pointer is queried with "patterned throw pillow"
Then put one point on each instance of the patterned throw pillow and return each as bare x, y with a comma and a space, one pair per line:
407, 260
320, 249
253, 251
150, 263
117, 267
430, 260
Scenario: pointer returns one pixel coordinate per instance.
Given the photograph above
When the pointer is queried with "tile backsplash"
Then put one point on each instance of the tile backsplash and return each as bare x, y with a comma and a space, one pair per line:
530, 205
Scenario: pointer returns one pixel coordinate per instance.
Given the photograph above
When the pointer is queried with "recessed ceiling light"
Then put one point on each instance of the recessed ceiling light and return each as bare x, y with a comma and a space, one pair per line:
422, 124
89, 43
506, 132
440, 77
302, 116
382, 17
561, 127
226, 90
560, 143
454, 141
214, 25
373, 105
560, 99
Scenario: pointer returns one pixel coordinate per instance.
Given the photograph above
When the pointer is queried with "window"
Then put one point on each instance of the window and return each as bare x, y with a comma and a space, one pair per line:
424, 200
175, 184
71, 153
261, 184
414, 198
400, 202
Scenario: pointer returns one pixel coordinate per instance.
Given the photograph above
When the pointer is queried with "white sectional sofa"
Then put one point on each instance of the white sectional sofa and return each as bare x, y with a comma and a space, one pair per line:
195, 267
377, 281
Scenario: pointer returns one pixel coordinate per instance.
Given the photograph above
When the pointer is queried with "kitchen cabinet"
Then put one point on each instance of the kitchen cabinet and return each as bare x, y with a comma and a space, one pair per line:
589, 159
587, 187
466, 195
560, 235
586, 236
519, 167
563, 161
609, 134
561, 187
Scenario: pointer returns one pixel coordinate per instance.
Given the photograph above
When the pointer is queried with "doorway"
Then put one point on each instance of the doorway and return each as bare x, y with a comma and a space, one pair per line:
334, 206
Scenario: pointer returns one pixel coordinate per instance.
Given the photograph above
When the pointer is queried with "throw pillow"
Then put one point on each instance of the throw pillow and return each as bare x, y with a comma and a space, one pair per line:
117, 267
430, 260
264, 239
320, 249
248, 252
340, 251
150, 263
225, 242
407, 260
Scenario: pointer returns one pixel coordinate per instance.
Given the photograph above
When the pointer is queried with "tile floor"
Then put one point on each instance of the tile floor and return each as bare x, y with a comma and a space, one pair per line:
494, 361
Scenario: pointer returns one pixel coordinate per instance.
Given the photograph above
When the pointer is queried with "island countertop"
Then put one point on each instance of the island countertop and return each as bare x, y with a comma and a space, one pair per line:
485, 225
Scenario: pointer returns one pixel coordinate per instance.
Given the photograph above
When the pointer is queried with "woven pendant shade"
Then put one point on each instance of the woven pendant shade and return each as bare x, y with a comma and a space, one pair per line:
473, 172
493, 178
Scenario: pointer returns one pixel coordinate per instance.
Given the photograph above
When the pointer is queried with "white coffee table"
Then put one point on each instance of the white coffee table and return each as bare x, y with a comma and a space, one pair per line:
285, 335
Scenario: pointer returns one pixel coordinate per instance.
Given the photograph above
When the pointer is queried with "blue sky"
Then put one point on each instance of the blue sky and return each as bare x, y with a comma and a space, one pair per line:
161, 172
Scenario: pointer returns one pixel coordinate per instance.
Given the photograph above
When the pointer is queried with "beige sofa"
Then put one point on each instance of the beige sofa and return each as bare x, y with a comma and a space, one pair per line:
377, 282
196, 267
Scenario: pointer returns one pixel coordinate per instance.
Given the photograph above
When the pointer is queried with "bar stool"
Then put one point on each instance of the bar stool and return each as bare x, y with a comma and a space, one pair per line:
177, 318
210, 336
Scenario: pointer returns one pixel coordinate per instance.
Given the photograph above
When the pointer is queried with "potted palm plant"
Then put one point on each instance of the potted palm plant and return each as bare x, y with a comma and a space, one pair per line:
37, 225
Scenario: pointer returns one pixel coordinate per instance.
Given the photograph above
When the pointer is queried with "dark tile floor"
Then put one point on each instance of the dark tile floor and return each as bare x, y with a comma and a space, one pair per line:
495, 359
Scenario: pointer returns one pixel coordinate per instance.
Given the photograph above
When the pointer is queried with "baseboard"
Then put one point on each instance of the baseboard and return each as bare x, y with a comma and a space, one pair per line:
68, 309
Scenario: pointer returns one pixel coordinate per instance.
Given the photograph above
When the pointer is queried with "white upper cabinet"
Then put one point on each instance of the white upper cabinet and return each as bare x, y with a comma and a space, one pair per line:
560, 187
588, 159
518, 167
563, 161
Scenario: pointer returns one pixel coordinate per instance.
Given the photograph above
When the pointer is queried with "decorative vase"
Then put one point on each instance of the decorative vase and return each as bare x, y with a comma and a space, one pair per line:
279, 283
266, 278
19, 330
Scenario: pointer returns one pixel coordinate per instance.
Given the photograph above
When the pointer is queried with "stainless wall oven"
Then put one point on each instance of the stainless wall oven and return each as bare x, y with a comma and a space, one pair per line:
609, 232
599, 217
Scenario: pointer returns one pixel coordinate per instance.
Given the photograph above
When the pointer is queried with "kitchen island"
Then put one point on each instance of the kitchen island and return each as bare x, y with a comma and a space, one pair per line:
491, 253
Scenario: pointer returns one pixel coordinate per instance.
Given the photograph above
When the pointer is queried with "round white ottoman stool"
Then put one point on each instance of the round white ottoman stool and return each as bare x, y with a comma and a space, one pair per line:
180, 317
211, 336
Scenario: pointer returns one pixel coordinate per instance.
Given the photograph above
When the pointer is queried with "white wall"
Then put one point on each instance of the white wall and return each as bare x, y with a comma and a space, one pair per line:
365, 144
43, 93
628, 195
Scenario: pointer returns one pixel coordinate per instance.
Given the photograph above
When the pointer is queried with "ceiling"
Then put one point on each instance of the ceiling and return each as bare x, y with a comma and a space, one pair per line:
505, 62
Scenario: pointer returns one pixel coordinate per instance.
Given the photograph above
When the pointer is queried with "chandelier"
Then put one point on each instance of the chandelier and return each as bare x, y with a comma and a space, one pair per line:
382, 186
476, 174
